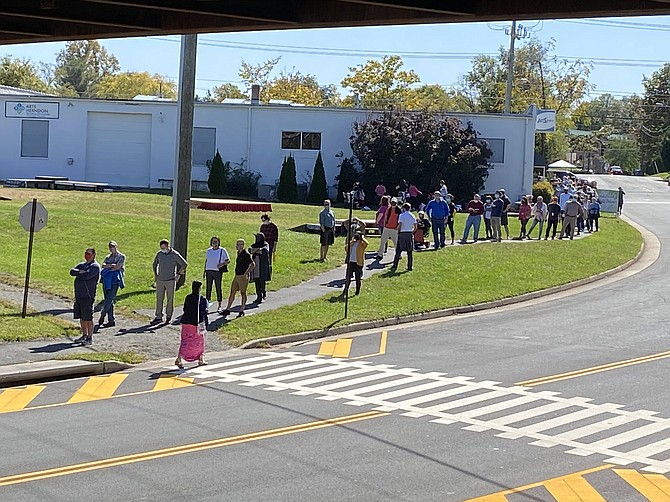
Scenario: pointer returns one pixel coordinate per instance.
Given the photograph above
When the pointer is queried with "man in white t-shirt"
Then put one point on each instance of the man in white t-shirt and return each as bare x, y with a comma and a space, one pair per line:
216, 261
406, 228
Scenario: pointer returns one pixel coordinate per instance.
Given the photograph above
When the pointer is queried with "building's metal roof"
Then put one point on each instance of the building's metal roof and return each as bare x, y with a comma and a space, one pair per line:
6, 90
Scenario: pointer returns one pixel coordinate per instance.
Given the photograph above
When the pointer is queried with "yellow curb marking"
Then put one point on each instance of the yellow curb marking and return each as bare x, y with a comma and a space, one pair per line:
655, 487
18, 398
100, 387
382, 347
180, 450
594, 369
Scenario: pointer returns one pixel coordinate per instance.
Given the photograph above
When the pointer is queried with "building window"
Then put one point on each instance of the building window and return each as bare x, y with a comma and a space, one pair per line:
311, 141
204, 145
35, 138
290, 140
497, 146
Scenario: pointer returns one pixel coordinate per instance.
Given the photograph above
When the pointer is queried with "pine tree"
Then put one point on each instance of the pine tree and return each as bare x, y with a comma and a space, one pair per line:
217, 182
318, 190
287, 191
346, 179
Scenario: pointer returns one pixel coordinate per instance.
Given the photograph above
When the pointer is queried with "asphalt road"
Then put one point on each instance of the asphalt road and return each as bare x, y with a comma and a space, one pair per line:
439, 415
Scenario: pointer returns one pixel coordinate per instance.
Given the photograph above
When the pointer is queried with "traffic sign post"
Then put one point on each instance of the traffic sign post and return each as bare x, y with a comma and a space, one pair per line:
33, 218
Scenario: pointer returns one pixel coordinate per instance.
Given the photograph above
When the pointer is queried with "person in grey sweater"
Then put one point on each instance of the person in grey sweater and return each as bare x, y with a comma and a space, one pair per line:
86, 276
168, 267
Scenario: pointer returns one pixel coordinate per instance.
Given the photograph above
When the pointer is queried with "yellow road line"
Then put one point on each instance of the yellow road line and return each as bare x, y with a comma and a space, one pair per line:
594, 369
573, 489
326, 348
172, 382
382, 347
342, 347
100, 387
655, 487
180, 450
17, 399
500, 496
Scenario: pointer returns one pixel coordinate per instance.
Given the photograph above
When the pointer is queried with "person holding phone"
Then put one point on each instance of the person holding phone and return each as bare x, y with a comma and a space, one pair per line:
216, 263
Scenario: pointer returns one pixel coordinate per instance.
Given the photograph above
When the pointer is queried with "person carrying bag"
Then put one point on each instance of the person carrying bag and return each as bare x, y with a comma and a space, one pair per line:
216, 263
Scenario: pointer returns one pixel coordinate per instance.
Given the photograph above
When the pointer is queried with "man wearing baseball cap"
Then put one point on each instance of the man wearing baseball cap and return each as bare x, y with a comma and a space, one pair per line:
111, 276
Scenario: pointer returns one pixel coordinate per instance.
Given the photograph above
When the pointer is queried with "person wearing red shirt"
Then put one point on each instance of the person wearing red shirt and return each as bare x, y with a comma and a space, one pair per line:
524, 216
475, 209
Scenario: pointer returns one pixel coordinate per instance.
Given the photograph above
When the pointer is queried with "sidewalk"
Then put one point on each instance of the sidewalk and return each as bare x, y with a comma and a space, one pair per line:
162, 341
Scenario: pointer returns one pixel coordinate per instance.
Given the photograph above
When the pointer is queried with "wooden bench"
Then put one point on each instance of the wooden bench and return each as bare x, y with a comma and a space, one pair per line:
81, 185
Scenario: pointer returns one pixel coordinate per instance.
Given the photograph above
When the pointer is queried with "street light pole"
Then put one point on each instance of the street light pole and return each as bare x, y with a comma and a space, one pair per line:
352, 194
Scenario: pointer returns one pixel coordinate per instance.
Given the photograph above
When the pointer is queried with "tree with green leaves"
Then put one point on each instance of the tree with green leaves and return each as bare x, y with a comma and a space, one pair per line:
82, 64
318, 189
257, 74
227, 90
381, 84
21, 73
129, 84
422, 148
623, 152
287, 191
346, 178
217, 182
654, 109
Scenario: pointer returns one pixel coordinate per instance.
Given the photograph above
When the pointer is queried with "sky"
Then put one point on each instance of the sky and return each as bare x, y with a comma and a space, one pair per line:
623, 50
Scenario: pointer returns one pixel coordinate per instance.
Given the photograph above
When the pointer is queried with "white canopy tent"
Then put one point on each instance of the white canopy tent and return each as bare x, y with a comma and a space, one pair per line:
561, 164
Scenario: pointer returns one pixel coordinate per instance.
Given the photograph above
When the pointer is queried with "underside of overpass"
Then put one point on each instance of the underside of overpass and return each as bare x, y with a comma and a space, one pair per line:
24, 21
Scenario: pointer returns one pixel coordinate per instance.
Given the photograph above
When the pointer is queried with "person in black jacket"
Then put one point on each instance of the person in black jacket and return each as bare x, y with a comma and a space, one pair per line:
193, 327
261, 273
86, 276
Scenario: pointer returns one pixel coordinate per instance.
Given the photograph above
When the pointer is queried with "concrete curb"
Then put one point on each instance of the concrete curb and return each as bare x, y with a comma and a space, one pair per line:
435, 314
41, 371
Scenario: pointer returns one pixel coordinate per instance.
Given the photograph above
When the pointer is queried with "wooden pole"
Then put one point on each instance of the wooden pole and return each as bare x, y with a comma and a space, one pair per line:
181, 190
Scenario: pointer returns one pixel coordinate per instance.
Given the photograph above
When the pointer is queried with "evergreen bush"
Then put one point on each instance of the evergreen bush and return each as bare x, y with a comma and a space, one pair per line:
287, 191
318, 189
544, 189
217, 182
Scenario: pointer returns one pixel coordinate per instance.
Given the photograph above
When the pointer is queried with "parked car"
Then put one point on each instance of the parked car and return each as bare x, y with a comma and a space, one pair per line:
616, 170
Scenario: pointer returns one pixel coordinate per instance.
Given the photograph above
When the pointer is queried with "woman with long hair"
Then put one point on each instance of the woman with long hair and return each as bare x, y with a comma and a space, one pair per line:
193, 327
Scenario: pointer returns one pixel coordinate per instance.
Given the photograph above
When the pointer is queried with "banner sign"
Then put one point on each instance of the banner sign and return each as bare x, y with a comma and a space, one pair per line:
609, 200
545, 121
31, 110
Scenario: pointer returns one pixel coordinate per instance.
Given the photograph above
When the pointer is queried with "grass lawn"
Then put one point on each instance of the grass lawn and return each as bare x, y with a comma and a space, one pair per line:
137, 222
35, 326
128, 357
454, 276
663, 176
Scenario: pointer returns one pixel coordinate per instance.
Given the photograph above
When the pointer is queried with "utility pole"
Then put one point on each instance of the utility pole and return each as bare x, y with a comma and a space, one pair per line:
513, 33
181, 187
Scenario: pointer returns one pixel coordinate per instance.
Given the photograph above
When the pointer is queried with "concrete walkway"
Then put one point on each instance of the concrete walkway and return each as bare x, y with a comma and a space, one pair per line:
162, 341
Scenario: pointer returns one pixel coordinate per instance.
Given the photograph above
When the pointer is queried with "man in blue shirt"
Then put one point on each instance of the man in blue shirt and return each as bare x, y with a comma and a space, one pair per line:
86, 275
327, 227
438, 210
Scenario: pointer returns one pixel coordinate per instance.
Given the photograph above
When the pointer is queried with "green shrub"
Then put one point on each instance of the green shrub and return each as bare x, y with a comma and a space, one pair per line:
242, 182
217, 182
347, 177
318, 190
544, 189
287, 191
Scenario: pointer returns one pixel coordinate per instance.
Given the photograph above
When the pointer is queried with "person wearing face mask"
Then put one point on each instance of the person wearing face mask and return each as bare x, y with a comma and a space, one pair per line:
111, 277
86, 275
168, 267
406, 227
475, 210
438, 211
244, 264
496, 217
261, 273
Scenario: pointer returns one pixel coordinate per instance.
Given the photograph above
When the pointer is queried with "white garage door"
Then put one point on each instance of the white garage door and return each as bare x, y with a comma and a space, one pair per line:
118, 148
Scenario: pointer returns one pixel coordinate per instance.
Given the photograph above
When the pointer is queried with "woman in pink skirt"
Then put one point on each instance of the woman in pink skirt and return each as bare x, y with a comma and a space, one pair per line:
193, 327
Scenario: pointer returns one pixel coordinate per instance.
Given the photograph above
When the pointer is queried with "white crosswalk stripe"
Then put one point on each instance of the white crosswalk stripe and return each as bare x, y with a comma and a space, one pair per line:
624, 436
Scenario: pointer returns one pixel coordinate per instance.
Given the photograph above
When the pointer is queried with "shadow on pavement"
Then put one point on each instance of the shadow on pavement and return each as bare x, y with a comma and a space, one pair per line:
54, 347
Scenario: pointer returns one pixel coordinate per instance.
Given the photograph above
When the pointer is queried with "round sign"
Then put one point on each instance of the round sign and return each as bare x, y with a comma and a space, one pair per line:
26, 212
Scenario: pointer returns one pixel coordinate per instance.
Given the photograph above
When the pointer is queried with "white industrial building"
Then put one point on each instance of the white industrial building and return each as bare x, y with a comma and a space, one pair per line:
133, 143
